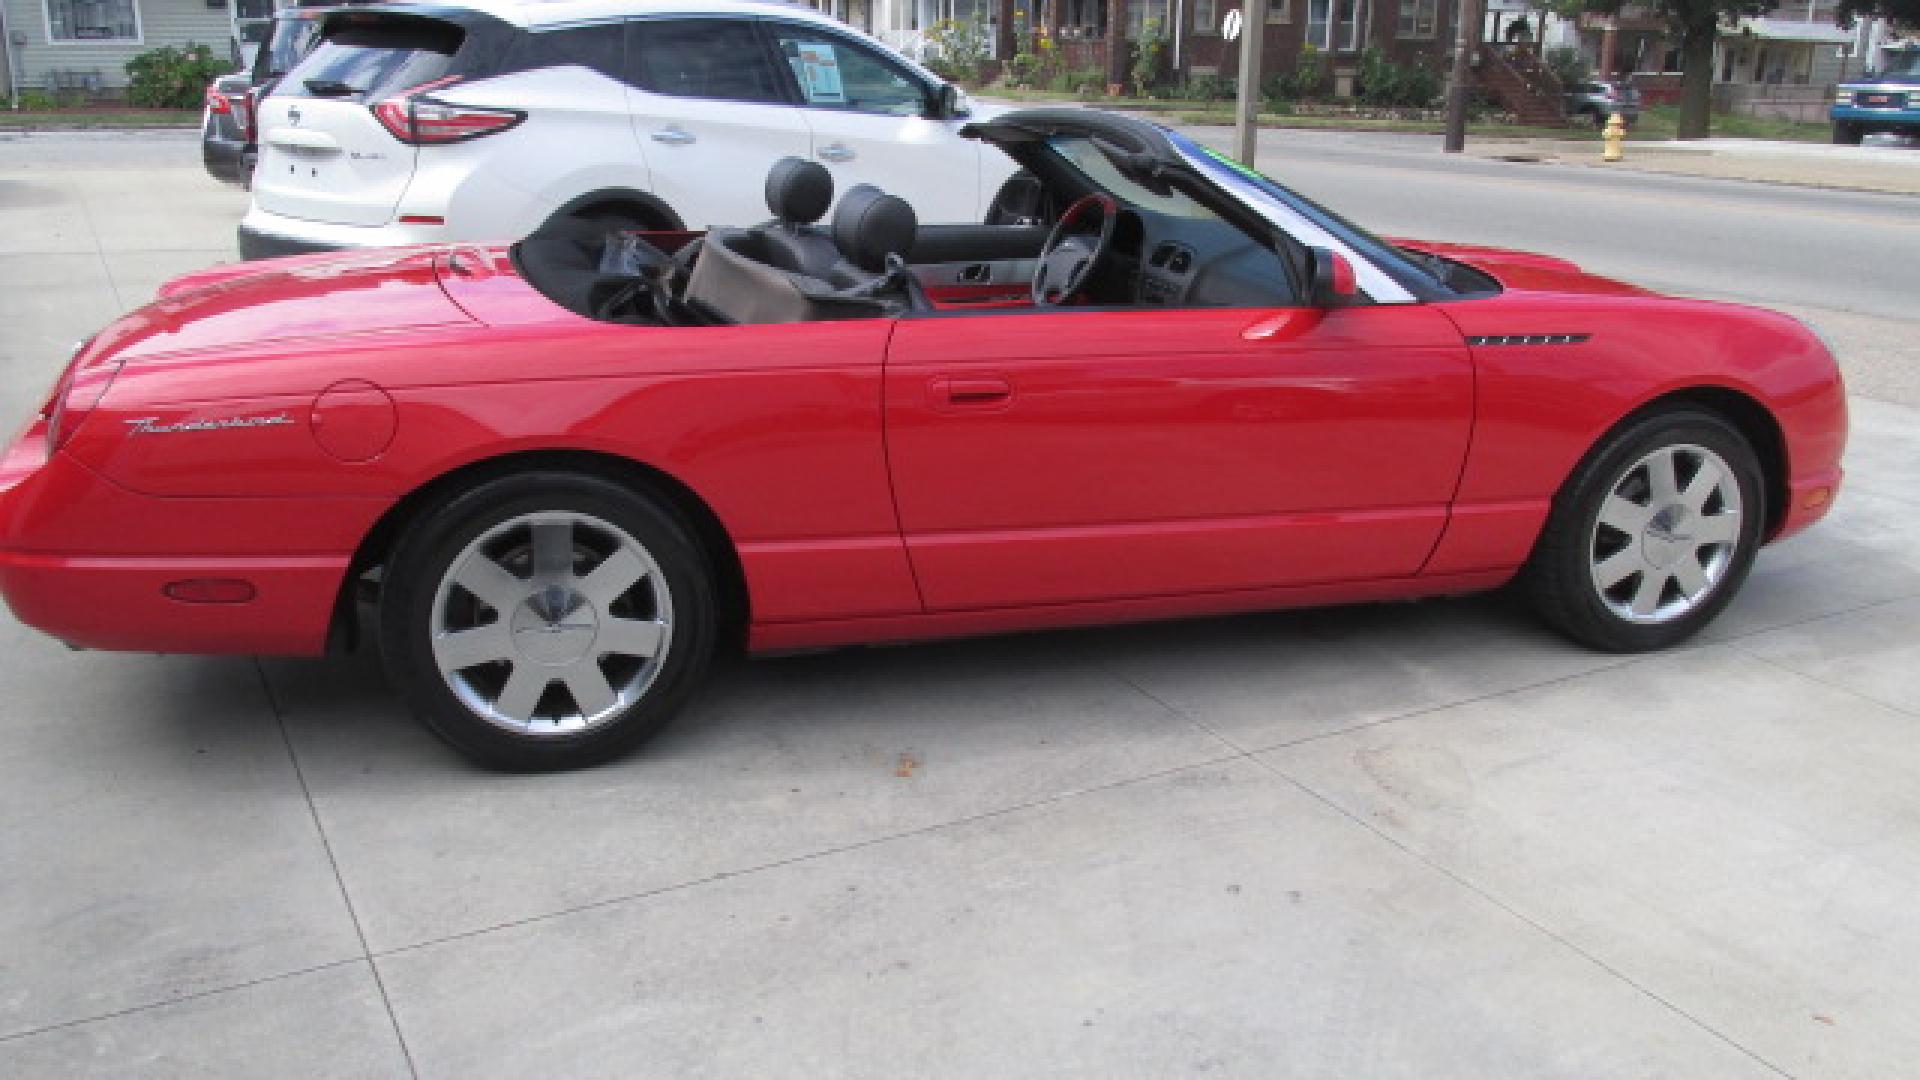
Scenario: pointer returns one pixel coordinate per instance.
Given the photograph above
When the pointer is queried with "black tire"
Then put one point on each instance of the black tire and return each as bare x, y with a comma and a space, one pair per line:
1561, 577
1599, 119
1847, 134
597, 511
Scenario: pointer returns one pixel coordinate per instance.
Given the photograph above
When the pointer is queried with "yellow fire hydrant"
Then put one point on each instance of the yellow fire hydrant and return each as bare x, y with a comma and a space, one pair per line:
1615, 136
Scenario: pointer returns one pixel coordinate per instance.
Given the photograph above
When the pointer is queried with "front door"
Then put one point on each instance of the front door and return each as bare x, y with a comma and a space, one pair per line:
1089, 455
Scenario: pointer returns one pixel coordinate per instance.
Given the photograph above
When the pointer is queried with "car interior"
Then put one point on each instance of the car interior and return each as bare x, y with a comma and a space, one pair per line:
1069, 231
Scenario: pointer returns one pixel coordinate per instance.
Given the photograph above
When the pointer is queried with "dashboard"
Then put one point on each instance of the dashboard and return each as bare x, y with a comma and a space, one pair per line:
1196, 262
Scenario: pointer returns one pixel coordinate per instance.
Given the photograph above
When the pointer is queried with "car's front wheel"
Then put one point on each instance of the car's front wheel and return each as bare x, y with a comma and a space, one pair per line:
1652, 535
1848, 134
546, 620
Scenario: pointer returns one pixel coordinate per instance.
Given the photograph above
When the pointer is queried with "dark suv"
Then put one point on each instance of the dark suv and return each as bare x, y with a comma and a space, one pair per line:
228, 130
1595, 101
1887, 101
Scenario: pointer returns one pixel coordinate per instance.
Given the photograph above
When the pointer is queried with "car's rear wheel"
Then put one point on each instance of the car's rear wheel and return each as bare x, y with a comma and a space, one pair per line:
1653, 534
1848, 134
547, 620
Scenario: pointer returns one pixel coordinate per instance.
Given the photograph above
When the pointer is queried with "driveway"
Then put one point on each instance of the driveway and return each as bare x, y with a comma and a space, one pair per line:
1413, 840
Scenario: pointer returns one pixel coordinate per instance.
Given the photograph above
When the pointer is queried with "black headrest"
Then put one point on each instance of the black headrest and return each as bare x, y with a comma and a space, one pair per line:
799, 191
871, 225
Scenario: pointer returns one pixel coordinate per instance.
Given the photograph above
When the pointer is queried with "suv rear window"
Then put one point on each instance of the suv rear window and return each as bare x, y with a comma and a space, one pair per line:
367, 56
287, 41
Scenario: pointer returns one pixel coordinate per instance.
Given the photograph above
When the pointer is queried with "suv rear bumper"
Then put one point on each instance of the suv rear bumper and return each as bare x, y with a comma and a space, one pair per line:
268, 236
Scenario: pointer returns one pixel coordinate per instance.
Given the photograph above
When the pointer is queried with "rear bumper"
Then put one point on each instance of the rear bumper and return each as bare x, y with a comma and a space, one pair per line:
113, 601
256, 243
269, 236
226, 160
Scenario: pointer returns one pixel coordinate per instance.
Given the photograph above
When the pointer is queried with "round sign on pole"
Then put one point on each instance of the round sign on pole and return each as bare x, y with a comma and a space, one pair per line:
1230, 26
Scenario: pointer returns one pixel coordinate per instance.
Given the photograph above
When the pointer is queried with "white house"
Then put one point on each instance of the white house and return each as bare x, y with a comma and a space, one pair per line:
84, 45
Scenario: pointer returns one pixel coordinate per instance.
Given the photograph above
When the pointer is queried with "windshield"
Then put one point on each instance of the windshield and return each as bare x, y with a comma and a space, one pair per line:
1084, 156
1903, 65
1306, 220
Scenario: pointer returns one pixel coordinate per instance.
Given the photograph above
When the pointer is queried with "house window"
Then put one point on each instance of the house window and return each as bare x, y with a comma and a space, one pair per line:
1333, 25
1205, 20
1279, 11
92, 20
1417, 18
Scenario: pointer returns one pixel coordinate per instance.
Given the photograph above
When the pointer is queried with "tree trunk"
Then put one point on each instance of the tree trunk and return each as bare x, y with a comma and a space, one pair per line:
1696, 81
1053, 19
1003, 35
1117, 44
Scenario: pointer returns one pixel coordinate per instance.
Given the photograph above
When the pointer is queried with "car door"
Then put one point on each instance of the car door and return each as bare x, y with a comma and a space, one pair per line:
1095, 455
868, 118
712, 114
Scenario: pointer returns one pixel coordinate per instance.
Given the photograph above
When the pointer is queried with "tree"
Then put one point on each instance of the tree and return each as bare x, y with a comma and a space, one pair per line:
1902, 13
1003, 46
1696, 23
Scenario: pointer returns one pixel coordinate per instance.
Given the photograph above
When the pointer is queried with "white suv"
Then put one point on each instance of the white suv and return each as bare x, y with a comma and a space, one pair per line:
424, 123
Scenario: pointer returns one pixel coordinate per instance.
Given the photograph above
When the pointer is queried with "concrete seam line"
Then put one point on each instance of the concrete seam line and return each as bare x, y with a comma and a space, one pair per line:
326, 845
1522, 917
195, 996
793, 860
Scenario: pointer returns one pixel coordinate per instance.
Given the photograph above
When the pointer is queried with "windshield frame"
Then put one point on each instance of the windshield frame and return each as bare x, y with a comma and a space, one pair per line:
1901, 64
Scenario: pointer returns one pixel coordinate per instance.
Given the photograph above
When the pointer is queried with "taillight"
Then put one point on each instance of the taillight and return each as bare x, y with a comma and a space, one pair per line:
217, 101
72, 399
417, 119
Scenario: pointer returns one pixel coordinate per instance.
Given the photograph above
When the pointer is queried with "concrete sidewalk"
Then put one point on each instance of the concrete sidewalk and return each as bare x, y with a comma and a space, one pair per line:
1893, 168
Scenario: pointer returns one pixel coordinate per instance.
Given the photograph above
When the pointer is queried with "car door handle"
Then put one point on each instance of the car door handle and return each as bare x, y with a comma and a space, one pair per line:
972, 392
836, 152
672, 136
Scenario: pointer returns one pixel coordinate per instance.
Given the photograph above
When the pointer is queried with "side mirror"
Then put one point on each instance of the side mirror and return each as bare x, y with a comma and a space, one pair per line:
1332, 282
946, 103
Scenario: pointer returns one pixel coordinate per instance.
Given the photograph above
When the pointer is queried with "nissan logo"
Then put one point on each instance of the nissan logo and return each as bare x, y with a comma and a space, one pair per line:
293, 116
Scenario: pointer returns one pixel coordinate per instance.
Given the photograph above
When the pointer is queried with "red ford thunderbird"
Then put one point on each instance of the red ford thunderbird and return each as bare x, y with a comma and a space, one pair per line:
1151, 384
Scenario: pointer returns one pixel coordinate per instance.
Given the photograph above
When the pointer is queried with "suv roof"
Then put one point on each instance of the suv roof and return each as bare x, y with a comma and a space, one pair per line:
536, 13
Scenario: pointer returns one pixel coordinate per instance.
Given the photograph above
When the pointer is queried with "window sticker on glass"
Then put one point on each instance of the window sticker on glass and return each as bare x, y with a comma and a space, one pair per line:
819, 72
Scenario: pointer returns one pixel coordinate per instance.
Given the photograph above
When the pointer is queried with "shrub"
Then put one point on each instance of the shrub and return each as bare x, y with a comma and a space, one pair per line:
1210, 87
1306, 82
172, 78
37, 101
1386, 84
1148, 55
957, 49
1568, 66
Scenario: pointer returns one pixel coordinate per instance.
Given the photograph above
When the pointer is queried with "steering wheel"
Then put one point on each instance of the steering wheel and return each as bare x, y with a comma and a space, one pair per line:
1067, 259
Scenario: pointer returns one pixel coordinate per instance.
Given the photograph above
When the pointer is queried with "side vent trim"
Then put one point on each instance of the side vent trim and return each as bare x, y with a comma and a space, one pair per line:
1527, 339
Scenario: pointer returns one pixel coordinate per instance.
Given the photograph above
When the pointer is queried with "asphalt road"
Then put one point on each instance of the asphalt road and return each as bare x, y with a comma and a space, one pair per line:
1843, 260
1389, 841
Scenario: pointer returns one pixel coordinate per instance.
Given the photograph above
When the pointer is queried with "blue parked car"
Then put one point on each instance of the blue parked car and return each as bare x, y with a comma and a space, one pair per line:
1888, 101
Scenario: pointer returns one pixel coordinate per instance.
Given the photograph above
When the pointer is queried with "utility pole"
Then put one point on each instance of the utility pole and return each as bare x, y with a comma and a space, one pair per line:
1466, 41
1253, 47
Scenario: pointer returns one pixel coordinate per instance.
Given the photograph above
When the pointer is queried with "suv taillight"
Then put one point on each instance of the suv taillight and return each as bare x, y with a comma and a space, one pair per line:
217, 101
418, 119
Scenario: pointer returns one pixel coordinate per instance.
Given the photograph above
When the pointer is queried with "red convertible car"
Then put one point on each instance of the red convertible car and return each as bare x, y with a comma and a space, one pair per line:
1152, 384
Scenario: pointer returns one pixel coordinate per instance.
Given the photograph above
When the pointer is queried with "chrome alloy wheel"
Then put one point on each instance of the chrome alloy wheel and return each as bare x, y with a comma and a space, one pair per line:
551, 623
1666, 534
